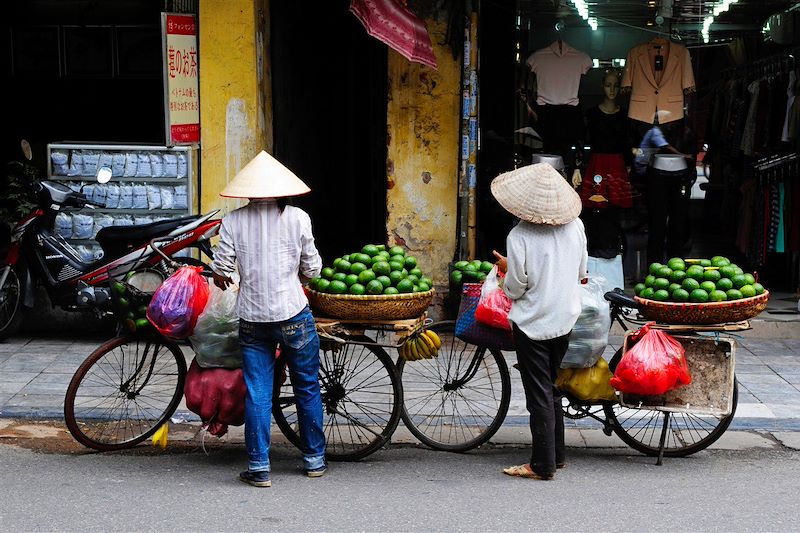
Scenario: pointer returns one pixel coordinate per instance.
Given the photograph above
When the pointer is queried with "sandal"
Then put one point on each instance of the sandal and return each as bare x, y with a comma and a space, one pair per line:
526, 472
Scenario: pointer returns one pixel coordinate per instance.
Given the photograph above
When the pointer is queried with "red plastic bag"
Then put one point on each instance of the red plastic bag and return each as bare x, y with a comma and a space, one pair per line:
494, 305
654, 365
178, 302
217, 396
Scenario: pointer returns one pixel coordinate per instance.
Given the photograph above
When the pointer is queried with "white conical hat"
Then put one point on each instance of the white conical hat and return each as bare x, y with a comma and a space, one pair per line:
264, 177
537, 193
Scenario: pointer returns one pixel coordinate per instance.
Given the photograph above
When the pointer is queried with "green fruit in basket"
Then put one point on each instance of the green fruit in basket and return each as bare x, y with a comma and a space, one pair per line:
649, 280
456, 277
690, 284
366, 276
142, 323
396, 266
660, 283
486, 267
708, 286
695, 272
734, 294
397, 260
738, 271
357, 289
381, 268
336, 263
323, 285
384, 281
327, 273
380, 247
724, 284
698, 296
375, 287
673, 287
337, 287
638, 288
344, 266
680, 295
750, 278
664, 272
426, 280
647, 293
339, 276
363, 258
370, 250
350, 280
739, 280
423, 287
677, 276
676, 263
397, 250
357, 268
414, 279
396, 276
118, 287
415, 272
705, 262
748, 291
405, 286
717, 296
661, 295
654, 268
390, 290
711, 275
410, 262
727, 271
459, 265
481, 276
719, 261
759, 288
123, 302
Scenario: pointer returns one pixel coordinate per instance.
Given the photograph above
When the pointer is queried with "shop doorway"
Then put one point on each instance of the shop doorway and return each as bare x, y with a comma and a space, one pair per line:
329, 94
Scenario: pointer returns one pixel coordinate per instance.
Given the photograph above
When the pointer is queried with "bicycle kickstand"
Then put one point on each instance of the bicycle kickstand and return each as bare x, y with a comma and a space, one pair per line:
663, 439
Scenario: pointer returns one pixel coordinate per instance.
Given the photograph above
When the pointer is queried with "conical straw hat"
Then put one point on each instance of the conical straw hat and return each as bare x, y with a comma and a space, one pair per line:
264, 177
537, 193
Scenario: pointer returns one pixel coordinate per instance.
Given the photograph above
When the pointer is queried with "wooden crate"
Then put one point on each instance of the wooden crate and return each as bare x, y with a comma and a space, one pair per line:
711, 364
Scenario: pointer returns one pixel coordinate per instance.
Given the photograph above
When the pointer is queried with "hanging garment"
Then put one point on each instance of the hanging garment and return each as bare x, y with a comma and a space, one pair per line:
790, 94
558, 70
748, 135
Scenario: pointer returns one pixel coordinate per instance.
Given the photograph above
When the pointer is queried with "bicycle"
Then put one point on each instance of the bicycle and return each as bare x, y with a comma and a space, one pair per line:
459, 400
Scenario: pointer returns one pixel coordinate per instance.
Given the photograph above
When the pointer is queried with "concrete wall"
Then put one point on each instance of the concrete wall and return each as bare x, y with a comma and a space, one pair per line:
423, 155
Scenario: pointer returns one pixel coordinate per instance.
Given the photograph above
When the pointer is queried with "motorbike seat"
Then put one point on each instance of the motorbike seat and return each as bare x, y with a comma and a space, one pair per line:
118, 240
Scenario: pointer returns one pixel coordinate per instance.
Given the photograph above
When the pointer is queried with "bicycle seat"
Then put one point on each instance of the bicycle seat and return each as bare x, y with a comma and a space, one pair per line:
617, 297
118, 240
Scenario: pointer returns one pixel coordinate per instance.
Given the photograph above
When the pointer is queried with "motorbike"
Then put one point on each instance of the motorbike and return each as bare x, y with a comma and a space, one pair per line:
38, 256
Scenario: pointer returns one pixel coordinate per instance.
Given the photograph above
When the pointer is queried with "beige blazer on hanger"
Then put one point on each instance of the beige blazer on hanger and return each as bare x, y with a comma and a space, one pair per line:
649, 97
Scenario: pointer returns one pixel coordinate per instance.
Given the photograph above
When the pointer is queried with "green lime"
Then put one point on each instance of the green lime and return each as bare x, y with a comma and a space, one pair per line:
734, 294
738, 271
695, 272
396, 276
708, 286
481, 276
660, 283
649, 280
327, 273
676, 263
654, 268
381, 268
357, 268
123, 302
719, 261
142, 323
118, 287
673, 287
748, 291
680, 295
470, 268
380, 247
759, 288
384, 280
415, 272
698, 296
661, 295
750, 278
336, 262
363, 258
339, 276
486, 267
395, 265
690, 284
375, 287
638, 288
426, 280
390, 290
411, 262
677, 276
705, 262
739, 280
312, 283
711, 275
727, 271
351, 279
459, 265
724, 284
424, 287
455, 277
337, 287
405, 286
664, 272
370, 249
414, 279
647, 293
717, 296
323, 285
366, 276
384, 254
398, 259
397, 250
357, 289
343, 266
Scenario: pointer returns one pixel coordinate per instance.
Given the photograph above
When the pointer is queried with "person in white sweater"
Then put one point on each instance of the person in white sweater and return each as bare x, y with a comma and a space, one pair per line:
545, 265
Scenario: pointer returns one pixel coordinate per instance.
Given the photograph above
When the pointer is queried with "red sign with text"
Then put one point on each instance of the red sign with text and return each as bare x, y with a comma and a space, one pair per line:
182, 98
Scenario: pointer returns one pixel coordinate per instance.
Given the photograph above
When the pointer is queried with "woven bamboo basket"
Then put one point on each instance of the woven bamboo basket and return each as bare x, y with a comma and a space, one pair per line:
371, 307
705, 313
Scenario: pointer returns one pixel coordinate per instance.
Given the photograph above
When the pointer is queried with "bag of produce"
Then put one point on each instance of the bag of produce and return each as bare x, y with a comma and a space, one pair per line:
494, 305
654, 365
589, 336
588, 384
216, 395
216, 336
178, 302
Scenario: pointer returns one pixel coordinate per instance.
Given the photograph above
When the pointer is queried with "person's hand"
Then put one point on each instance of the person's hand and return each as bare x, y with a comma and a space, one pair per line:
502, 263
222, 281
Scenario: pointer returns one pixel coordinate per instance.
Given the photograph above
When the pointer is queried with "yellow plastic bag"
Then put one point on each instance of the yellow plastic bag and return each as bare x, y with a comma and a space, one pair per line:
160, 436
587, 384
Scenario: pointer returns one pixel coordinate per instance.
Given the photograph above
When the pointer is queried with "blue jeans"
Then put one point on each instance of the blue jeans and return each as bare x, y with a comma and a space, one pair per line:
299, 343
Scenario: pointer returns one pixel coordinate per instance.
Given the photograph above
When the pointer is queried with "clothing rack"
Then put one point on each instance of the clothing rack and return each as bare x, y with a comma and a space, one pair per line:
774, 161
766, 66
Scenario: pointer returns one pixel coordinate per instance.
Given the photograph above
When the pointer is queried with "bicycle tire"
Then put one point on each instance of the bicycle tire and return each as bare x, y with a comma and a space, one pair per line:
419, 376
688, 434
349, 435
11, 296
114, 430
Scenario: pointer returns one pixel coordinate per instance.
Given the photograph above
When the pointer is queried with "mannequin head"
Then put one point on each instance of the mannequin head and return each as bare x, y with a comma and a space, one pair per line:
611, 85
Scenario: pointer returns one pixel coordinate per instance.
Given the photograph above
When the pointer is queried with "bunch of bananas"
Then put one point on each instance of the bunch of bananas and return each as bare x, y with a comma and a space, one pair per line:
422, 345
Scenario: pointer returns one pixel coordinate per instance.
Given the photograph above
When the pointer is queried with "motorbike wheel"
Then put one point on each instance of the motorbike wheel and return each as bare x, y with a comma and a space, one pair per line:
11, 307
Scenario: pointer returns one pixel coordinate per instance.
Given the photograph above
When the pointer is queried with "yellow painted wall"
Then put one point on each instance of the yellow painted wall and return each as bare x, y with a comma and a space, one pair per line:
423, 155
234, 92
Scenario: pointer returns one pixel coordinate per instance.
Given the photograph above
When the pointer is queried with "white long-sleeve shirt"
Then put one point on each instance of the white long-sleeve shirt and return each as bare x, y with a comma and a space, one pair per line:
545, 267
272, 250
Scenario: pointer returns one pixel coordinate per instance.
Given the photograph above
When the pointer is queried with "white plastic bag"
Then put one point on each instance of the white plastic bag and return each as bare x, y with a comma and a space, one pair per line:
589, 337
216, 335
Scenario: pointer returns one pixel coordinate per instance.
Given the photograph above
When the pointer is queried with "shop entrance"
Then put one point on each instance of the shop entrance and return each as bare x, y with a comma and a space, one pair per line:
329, 94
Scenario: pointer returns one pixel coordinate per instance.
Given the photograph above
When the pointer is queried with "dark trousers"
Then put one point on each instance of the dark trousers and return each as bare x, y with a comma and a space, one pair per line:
539, 362
668, 211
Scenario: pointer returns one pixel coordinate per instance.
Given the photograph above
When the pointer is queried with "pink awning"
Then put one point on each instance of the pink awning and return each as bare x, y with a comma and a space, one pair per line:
394, 24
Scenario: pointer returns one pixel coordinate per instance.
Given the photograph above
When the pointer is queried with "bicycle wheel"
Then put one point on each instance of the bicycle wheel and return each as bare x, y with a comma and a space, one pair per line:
458, 400
688, 433
123, 392
361, 398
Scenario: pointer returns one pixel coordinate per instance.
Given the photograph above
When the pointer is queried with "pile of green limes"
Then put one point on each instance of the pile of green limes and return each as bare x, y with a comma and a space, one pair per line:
469, 272
374, 270
698, 281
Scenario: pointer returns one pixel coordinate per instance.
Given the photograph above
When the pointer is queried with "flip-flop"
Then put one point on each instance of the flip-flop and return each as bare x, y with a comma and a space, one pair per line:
526, 472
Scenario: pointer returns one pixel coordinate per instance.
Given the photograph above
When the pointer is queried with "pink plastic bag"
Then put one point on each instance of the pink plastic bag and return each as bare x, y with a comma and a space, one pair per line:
494, 305
217, 396
654, 365
178, 302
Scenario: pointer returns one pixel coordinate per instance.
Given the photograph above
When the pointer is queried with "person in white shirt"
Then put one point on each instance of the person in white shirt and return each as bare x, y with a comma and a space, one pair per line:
273, 244
545, 265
